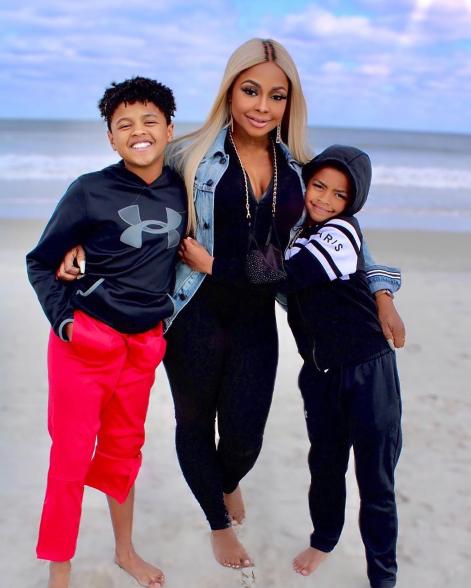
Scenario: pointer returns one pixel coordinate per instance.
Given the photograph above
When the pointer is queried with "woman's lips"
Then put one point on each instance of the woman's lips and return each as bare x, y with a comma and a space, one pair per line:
257, 122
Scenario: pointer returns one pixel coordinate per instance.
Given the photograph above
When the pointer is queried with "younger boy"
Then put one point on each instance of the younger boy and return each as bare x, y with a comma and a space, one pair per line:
106, 339
349, 380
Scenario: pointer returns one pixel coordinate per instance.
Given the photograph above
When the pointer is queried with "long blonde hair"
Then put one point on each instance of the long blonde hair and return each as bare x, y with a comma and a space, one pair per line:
188, 151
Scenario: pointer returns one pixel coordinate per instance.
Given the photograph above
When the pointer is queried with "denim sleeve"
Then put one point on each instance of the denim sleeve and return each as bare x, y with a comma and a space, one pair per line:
380, 277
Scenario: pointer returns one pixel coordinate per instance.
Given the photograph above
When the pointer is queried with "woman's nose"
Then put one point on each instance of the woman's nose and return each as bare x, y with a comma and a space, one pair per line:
262, 105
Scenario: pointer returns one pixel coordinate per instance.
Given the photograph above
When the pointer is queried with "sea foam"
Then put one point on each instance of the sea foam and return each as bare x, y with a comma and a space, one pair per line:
36, 166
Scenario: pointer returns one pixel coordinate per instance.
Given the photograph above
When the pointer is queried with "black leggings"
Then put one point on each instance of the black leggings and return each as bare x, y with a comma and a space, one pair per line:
221, 362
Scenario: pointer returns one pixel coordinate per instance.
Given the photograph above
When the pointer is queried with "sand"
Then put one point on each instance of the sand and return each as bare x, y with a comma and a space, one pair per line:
433, 476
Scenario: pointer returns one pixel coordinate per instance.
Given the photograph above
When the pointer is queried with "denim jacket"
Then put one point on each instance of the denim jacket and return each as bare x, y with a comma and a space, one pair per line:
209, 172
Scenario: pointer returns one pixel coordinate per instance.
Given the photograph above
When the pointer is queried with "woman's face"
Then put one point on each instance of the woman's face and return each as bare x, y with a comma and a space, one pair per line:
258, 99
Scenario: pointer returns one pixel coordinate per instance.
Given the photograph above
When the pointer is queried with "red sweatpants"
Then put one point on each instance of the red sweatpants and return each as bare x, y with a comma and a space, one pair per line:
99, 387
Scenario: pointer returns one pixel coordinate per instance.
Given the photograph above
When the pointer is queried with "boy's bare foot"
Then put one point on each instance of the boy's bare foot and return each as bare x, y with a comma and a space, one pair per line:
59, 574
308, 561
228, 550
144, 573
235, 506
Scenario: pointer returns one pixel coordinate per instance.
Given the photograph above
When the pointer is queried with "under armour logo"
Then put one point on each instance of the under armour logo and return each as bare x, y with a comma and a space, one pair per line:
133, 235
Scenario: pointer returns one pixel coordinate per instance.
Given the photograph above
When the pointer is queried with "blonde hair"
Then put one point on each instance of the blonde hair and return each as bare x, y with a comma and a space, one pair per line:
188, 151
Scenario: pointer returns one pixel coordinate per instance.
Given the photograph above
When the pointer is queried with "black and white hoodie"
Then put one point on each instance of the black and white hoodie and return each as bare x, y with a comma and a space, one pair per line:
331, 310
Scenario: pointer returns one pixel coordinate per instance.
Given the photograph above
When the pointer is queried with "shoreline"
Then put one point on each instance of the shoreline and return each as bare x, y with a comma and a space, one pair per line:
407, 248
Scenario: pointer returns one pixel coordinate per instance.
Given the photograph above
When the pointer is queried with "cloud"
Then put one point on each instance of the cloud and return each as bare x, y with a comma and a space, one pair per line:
375, 69
380, 68
419, 22
318, 23
332, 67
64, 43
361, 61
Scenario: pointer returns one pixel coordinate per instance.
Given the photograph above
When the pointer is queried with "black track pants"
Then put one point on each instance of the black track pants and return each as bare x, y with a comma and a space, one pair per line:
357, 405
221, 362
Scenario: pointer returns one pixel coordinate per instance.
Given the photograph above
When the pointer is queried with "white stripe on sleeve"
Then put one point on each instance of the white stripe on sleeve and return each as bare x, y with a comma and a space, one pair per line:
346, 225
338, 247
322, 260
291, 251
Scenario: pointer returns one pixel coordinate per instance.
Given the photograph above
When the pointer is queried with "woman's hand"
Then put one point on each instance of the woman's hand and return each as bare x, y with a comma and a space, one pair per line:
391, 323
73, 265
195, 256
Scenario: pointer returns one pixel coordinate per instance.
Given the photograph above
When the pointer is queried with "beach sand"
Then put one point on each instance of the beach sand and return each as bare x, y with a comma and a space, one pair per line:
433, 476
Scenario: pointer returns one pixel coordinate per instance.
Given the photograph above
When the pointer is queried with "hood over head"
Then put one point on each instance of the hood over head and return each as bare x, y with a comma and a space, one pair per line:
352, 161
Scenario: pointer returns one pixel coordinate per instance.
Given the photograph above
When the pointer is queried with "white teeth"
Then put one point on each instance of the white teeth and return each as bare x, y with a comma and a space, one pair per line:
142, 145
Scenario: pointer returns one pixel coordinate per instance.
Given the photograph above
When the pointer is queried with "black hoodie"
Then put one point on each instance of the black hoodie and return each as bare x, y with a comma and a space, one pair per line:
331, 310
130, 232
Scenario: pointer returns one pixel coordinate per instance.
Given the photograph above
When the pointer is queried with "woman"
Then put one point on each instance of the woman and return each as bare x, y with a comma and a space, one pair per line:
222, 342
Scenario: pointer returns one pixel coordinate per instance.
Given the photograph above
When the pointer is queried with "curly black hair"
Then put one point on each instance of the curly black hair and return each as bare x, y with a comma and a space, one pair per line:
137, 89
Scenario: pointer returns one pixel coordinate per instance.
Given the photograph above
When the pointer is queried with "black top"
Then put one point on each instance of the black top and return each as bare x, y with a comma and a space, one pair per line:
231, 235
130, 232
331, 310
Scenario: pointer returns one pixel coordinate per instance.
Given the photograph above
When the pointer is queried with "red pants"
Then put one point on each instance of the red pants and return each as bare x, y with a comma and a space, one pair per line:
99, 387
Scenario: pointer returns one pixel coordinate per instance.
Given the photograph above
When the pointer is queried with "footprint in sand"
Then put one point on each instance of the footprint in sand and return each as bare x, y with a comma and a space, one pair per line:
247, 578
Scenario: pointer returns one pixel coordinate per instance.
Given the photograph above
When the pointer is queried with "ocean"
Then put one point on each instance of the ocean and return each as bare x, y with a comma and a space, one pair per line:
420, 180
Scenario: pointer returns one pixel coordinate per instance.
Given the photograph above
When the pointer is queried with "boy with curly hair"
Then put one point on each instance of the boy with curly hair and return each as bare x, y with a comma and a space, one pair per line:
107, 338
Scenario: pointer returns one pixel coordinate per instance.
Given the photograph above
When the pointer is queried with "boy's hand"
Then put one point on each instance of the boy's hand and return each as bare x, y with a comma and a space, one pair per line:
69, 328
73, 265
391, 323
195, 256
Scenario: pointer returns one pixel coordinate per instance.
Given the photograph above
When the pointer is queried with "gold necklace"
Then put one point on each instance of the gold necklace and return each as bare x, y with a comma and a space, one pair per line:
244, 173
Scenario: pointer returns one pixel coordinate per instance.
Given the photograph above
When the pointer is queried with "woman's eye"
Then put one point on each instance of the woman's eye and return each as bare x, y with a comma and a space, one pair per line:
341, 196
317, 186
279, 97
249, 91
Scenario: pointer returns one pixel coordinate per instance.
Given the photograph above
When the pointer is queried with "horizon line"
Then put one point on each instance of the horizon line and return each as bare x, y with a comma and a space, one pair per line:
466, 133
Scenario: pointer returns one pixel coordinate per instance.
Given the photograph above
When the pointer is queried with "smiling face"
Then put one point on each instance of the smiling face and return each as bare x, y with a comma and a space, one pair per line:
139, 133
258, 99
327, 194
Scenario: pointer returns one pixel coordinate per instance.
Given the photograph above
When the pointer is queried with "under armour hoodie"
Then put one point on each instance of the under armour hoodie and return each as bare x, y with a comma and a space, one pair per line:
130, 231
331, 310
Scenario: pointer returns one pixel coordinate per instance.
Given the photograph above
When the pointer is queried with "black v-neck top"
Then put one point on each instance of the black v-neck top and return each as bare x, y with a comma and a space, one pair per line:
231, 226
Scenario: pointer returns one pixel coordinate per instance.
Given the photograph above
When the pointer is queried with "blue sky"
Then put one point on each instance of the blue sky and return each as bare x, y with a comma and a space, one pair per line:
363, 63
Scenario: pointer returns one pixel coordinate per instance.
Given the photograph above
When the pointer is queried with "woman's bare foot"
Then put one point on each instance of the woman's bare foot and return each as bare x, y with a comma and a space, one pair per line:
144, 573
59, 574
235, 506
308, 561
228, 550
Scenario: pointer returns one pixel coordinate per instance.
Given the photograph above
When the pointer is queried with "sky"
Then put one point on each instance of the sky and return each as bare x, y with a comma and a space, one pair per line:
396, 64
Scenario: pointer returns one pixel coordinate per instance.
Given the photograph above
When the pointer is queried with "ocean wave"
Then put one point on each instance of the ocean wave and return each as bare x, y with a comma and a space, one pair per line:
416, 211
421, 177
50, 167
67, 167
